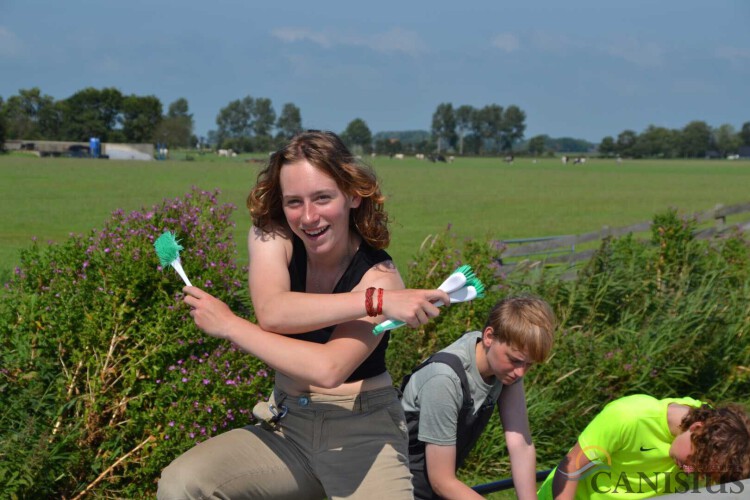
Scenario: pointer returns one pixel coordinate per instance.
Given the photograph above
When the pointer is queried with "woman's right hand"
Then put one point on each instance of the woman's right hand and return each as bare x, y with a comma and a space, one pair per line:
412, 306
209, 313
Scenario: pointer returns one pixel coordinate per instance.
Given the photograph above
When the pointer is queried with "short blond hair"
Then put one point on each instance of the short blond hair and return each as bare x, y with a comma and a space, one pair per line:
526, 323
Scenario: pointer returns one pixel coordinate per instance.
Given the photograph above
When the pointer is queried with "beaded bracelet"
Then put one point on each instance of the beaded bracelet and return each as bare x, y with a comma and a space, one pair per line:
368, 302
380, 301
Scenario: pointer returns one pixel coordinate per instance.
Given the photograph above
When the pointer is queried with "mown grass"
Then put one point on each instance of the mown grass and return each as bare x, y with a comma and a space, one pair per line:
667, 316
481, 197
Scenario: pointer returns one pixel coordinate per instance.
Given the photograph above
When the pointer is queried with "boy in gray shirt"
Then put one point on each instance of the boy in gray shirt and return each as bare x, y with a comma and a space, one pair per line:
449, 398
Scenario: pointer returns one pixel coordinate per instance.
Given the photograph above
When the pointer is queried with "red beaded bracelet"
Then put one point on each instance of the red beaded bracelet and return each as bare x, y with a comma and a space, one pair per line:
380, 301
368, 302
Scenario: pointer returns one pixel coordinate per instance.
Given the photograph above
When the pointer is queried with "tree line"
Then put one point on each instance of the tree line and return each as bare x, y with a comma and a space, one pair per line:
466, 129
697, 139
252, 124
104, 113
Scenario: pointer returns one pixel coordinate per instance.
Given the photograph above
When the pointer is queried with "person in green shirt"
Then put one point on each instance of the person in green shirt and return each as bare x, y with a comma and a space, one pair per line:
640, 447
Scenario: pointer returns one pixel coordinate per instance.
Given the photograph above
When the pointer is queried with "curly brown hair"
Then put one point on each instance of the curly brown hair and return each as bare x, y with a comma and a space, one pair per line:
328, 153
721, 446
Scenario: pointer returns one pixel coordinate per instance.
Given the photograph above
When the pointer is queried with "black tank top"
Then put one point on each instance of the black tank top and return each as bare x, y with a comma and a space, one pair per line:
363, 260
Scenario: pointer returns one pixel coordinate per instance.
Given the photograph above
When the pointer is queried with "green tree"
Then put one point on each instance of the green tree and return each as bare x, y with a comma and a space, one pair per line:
92, 113
358, 137
235, 120
176, 128
289, 122
264, 117
31, 115
488, 125
695, 139
536, 145
388, 146
745, 134
513, 127
727, 140
444, 126
607, 146
140, 118
655, 142
464, 116
625, 142
2, 126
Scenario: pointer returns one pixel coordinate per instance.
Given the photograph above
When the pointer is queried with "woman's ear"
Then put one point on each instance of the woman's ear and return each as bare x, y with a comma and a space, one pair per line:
355, 201
695, 425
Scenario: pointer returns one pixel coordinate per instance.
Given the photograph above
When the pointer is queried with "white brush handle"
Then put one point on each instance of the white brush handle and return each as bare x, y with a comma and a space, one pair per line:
453, 283
461, 295
178, 267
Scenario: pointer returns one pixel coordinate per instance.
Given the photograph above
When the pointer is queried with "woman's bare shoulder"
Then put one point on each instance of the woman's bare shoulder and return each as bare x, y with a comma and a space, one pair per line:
275, 232
384, 274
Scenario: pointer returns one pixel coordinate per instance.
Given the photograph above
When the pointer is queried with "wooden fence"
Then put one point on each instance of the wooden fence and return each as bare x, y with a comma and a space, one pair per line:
531, 252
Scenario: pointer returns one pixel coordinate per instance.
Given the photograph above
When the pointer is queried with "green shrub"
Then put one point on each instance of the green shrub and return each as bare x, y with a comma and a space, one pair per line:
667, 317
105, 379
439, 256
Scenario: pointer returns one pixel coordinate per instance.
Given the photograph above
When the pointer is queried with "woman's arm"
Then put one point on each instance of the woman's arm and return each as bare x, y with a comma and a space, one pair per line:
323, 365
280, 310
515, 420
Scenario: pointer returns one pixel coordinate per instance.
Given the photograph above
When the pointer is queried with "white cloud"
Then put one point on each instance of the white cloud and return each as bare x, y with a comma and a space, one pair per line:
394, 40
506, 41
637, 52
737, 57
553, 42
10, 45
291, 35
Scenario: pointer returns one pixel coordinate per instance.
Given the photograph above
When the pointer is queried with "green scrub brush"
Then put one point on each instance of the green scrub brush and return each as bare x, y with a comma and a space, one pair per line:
168, 250
461, 286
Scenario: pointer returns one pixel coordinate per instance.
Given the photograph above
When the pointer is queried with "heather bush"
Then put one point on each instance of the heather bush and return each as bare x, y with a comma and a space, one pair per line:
105, 378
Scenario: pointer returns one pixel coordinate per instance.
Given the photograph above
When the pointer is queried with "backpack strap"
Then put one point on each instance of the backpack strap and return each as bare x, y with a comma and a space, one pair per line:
456, 365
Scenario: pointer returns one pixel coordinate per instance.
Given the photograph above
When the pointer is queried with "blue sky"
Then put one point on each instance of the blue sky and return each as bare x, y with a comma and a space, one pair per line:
583, 69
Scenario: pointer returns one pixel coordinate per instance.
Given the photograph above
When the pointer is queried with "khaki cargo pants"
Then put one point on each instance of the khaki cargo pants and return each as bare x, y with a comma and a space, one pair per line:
324, 446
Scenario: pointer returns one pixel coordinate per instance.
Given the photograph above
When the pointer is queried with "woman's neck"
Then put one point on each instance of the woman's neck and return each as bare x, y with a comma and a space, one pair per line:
324, 271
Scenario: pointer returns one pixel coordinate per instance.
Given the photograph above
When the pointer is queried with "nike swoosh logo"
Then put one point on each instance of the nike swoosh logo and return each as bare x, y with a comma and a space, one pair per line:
647, 449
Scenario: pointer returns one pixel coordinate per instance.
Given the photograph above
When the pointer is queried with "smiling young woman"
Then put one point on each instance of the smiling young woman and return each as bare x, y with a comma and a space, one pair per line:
319, 278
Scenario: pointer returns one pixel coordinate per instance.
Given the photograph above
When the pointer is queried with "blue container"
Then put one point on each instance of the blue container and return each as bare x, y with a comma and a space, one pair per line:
95, 147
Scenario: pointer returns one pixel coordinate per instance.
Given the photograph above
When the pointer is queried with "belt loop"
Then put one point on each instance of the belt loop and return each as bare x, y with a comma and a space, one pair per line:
279, 397
361, 402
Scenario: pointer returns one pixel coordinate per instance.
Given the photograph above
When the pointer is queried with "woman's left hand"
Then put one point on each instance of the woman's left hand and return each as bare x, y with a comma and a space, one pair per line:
209, 313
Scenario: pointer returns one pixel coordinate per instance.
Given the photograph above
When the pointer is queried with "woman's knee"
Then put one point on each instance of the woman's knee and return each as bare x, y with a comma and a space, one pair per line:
182, 479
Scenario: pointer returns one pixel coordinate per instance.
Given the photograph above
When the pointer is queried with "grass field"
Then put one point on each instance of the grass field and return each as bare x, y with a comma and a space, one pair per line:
480, 197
